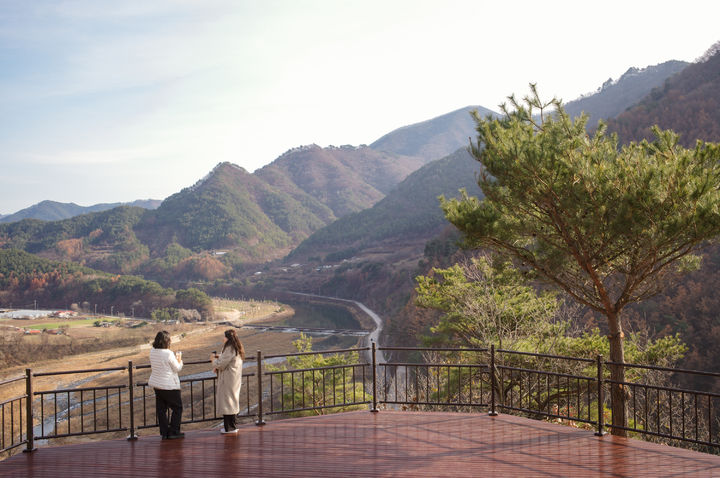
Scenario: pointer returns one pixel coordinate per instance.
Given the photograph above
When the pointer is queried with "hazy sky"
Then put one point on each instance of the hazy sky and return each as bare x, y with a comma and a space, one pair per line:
117, 100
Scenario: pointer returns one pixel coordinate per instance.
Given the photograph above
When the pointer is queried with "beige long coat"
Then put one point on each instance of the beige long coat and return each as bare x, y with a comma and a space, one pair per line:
229, 367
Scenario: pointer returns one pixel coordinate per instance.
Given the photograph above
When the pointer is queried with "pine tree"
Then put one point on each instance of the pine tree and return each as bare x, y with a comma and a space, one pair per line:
608, 226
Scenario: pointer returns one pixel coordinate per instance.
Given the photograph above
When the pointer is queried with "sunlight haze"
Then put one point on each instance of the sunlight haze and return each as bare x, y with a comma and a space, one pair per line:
107, 101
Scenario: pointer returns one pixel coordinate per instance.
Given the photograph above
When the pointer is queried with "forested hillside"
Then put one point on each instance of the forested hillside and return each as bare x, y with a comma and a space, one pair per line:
687, 103
103, 240
25, 278
221, 211
614, 96
55, 211
410, 212
342, 179
252, 218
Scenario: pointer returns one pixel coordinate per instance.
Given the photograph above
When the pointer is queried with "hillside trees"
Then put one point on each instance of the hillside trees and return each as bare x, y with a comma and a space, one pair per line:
333, 386
25, 278
688, 103
486, 300
609, 227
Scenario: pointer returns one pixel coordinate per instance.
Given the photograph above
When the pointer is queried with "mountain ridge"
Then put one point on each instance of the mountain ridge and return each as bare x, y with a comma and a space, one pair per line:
48, 210
262, 216
688, 103
614, 96
434, 138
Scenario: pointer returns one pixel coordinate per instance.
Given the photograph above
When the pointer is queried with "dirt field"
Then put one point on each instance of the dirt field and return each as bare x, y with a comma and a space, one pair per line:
247, 311
195, 340
84, 346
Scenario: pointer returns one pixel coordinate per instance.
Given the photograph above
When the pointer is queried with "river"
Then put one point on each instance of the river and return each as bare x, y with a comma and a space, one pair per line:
374, 335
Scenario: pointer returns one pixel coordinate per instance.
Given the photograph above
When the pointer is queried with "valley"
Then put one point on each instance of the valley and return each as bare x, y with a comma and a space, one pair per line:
358, 223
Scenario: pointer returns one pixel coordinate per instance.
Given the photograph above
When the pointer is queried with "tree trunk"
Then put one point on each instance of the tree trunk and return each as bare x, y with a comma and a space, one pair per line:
617, 374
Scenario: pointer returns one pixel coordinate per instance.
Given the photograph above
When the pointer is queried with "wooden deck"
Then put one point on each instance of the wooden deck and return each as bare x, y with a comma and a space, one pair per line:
368, 444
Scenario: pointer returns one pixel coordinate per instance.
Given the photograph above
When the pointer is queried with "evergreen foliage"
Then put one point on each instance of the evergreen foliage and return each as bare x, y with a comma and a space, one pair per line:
607, 226
486, 301
334, 385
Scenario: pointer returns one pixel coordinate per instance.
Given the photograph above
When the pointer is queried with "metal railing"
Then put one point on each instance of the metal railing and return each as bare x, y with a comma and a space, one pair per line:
422, 378
77, 411
318, 381
548, 386
12, 413
199, 398
658, 409
566, 389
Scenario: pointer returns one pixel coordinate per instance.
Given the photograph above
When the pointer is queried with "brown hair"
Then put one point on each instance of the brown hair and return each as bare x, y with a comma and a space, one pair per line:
234, 342
162, 340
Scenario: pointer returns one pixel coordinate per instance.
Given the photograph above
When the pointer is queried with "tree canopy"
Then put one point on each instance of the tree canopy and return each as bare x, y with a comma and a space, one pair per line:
486, 300
607, 225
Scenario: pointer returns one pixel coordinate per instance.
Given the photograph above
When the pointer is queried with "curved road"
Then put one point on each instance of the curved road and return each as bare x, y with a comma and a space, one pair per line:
374, 334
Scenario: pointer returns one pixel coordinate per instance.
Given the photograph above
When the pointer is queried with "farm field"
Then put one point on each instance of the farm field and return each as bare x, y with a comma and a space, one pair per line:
83, 345
25, 342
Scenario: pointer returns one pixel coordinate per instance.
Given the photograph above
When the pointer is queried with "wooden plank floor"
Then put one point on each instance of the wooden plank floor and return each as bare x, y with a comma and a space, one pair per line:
368, 444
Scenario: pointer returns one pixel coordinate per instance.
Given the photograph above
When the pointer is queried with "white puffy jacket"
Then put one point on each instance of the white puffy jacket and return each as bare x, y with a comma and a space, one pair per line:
165, 368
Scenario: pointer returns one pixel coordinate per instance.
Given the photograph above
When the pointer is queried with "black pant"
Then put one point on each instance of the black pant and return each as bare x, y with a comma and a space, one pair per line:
229, 422
171, 399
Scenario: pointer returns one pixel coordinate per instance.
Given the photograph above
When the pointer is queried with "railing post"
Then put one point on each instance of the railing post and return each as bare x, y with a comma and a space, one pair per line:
131, 389
493, 382
260, 421
374, 377
29, 412
601, 399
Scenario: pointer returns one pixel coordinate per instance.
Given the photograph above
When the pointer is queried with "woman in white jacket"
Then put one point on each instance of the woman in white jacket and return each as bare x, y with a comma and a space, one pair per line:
164, 379
228, 366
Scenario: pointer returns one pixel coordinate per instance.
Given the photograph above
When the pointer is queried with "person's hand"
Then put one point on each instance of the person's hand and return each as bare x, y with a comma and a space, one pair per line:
215, 371
212, 357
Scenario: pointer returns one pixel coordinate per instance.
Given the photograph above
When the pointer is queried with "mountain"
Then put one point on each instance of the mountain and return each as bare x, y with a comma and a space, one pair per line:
26, 277
409, 213
615, 96
258, 217
434, 138
261, 216
223, 210
104, 240
54, 211
412, 209
688, 103
384, 193
343, 179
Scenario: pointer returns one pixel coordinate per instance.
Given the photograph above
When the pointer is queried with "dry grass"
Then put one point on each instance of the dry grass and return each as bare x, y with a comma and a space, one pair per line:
195, 340
246, 311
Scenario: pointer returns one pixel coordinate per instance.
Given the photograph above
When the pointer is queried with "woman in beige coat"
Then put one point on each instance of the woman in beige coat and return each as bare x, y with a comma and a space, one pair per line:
228, 367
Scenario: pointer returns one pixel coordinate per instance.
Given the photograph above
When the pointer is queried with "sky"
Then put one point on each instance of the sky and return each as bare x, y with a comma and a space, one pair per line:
107, 101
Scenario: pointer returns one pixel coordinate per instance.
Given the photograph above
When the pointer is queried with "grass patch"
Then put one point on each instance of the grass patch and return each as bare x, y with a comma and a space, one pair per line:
69, 323
246, 309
